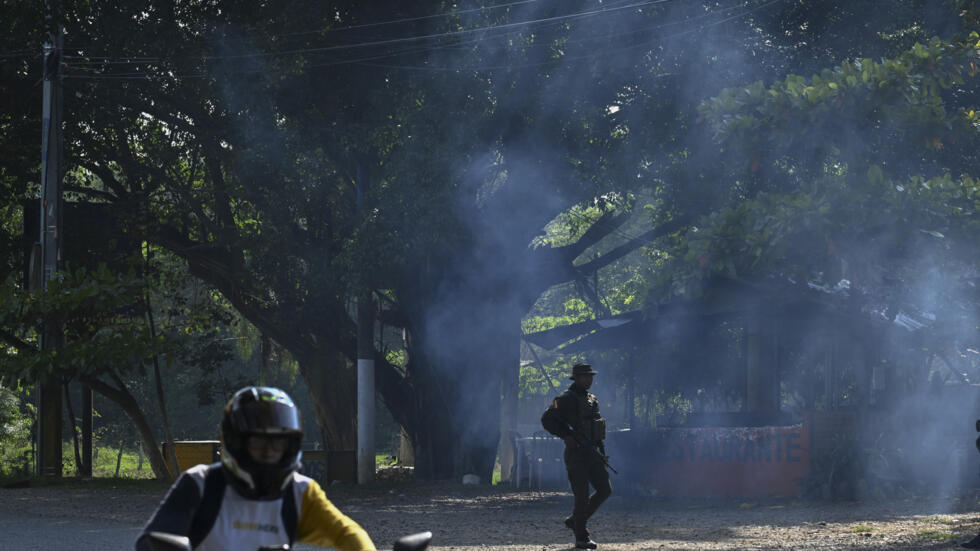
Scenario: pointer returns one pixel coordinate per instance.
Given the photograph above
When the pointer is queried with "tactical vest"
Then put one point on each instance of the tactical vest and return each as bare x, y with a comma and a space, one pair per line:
587, 416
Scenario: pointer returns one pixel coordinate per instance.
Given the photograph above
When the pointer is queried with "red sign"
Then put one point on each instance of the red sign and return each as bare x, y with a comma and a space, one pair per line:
730, 462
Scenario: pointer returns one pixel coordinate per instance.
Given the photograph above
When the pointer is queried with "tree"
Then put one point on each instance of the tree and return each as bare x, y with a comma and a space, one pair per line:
858, 181
277, 149
94, 344
894, 138
108, 342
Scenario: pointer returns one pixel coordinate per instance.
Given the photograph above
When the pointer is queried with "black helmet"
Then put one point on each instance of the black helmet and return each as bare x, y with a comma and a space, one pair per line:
260, 411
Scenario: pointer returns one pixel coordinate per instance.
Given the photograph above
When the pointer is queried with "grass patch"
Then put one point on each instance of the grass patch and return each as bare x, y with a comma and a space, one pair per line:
939, 519
936, 535
859, 528
18, 464
104, 460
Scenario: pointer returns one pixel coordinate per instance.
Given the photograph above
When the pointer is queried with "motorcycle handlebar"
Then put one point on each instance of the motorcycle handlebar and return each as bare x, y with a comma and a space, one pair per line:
414, 542
161, 541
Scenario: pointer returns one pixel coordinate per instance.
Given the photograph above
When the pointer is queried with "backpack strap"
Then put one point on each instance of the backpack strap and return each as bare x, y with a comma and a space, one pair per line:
207, 511
290, 517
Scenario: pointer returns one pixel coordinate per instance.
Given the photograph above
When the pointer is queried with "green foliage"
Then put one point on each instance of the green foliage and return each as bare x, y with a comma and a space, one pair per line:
655, 406
807, 236
813, 202
397, 357
385, 460
570, 225
534, 382
574, 310
107, 335
937, 535
104, 315
97, 308
904, 92
16, 422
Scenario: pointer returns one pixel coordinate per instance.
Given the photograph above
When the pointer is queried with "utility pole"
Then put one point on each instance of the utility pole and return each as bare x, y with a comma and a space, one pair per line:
49, 461
365, 371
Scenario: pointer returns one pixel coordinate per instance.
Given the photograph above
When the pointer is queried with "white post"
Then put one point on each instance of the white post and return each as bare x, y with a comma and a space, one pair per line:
365, 421
365, 390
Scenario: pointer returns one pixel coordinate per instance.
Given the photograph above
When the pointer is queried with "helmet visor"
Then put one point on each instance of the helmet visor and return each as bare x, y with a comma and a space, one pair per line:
265, 417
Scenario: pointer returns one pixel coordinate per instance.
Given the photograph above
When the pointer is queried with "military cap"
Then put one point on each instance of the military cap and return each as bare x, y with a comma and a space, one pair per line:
582, 369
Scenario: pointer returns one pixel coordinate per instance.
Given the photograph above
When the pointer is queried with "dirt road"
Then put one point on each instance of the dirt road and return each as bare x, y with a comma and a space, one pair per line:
476, 518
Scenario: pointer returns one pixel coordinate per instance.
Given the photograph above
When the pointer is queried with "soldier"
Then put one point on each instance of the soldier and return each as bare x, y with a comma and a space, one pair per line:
576, 414
975, 542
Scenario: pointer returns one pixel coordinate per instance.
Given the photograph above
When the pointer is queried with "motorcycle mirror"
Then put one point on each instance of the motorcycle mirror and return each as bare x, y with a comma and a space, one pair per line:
414, 542
162, 541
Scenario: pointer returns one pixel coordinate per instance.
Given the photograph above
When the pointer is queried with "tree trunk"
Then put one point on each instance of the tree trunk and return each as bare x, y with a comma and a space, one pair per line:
431, 431
122, 398
330, 378
79, 467
510, 389
459, 364
157, 378
168, 436
119, 457
265, 348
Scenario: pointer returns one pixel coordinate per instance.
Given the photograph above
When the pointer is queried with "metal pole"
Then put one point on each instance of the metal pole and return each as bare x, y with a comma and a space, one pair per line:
49, 414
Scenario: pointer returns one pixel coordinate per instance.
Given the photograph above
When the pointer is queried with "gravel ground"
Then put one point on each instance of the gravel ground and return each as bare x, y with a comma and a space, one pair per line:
472, 518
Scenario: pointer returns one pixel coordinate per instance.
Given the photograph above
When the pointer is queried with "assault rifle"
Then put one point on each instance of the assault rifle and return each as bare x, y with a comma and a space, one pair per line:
584, 442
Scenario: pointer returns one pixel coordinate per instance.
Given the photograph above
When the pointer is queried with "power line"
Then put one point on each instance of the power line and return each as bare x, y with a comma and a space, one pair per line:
447, 34
402, 40
484, 30
414, 19
141, 75
591, 55
366, 60
375, 24
565, 59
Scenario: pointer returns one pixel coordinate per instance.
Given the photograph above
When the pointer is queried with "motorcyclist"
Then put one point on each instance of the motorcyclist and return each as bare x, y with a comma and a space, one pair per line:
254, 497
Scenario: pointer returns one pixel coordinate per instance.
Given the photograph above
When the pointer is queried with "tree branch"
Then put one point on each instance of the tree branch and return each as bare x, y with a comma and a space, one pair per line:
635, 243
602, 227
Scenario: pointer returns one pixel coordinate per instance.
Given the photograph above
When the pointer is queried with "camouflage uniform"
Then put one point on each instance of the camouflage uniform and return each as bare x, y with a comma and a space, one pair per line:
577, 409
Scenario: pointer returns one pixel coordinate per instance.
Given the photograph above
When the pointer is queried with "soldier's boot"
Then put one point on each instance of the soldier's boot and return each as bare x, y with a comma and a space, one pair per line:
972, 544
587, 543
570, 523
